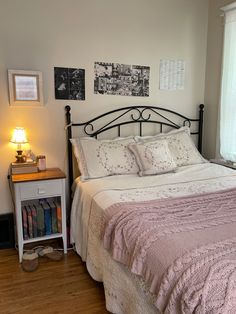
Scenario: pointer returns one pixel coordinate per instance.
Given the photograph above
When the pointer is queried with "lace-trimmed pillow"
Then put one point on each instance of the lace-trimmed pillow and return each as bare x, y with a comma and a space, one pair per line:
100, 158
181, 146
153, 157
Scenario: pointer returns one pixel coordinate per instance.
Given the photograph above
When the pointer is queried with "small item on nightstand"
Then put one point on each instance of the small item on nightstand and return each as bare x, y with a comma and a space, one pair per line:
23, 167
19, 138
41, 159
30, 156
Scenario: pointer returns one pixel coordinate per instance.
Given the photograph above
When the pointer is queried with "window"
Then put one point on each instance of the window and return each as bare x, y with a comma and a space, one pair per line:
228, 87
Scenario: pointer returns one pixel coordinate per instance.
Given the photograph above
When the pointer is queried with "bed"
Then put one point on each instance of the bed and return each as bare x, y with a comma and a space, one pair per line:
161, 242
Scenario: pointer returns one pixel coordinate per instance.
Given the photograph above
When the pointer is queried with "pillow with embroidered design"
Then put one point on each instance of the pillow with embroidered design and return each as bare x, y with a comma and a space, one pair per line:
101, 158
181, 146
153, 157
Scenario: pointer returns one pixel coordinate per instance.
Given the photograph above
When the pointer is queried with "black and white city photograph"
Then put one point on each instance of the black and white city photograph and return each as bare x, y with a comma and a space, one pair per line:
121, 79
69, 83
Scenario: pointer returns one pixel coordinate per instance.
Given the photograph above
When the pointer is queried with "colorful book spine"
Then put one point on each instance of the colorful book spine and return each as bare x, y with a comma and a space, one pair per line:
25, 223
47, 217
40, 219
59, 218
53, 215
30, 221
34, 220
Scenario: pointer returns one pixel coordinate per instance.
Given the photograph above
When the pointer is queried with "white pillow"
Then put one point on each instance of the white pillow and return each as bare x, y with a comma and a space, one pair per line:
153, 137
181, 146
100, 158
153, 157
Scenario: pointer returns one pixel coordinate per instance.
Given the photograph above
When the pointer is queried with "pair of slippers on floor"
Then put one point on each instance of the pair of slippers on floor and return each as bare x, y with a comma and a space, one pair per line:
30, 261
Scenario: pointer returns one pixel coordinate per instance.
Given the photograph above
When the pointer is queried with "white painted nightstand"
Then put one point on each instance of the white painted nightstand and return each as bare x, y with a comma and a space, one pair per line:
45, 186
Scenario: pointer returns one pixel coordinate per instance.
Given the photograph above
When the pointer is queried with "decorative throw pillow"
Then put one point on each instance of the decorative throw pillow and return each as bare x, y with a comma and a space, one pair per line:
100, 158
181, 146
153, 157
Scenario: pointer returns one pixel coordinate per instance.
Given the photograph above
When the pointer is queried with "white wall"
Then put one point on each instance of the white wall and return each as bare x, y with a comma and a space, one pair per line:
213, 74
38, 35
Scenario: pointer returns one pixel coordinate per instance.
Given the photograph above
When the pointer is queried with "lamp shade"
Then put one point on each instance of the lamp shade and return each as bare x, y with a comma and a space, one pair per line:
19, 136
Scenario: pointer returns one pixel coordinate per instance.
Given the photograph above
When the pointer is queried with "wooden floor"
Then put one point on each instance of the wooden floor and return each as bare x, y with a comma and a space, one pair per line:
55, 287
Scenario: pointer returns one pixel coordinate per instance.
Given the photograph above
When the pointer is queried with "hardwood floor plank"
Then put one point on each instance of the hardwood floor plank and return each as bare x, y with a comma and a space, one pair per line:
54, 288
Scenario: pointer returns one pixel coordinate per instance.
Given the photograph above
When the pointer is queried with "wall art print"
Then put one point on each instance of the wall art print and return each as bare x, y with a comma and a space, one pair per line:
69, 83
121, 79
25, 88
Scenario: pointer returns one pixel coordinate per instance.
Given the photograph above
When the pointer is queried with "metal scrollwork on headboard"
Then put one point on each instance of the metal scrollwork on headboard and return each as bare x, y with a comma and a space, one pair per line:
117, 118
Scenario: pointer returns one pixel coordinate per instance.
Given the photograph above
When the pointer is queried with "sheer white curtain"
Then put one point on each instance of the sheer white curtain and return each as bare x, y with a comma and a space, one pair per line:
228, 87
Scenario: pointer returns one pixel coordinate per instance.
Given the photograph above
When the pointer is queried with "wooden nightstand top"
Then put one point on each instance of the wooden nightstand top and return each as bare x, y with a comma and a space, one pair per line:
48, 174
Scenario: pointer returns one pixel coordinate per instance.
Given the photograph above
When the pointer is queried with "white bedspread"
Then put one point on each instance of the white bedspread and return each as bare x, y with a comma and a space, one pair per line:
92, 197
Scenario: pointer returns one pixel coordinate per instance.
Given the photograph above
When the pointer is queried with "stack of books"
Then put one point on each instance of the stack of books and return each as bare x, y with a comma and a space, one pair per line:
41, 218
23, 167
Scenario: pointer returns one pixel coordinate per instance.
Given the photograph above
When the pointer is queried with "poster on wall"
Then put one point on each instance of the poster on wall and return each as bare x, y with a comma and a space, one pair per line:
69, 83
121, 79
172, 74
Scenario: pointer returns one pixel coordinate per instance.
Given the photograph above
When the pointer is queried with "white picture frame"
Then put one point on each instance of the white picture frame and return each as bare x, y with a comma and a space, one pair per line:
25, 88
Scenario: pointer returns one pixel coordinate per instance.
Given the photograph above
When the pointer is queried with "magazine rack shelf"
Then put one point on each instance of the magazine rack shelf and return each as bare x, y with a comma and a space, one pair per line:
40, 212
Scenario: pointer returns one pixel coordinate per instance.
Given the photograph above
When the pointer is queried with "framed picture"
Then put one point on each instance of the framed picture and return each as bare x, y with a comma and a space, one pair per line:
69, 83
25, 88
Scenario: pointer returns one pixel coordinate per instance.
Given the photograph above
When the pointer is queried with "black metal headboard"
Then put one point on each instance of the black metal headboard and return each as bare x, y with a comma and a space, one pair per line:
129, 115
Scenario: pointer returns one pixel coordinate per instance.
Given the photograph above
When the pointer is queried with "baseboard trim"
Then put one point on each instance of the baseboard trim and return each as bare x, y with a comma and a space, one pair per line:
7, 239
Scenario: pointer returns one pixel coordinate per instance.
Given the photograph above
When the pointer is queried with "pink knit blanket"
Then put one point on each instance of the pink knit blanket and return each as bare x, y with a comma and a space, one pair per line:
184, 249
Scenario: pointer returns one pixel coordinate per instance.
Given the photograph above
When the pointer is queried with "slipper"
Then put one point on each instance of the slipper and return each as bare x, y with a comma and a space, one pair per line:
50, 253
30, 261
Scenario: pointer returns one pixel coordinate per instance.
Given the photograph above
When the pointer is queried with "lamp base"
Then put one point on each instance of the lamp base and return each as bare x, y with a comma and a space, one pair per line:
19, 157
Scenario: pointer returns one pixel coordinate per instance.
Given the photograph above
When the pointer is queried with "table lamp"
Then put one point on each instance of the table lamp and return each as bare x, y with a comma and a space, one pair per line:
19, 138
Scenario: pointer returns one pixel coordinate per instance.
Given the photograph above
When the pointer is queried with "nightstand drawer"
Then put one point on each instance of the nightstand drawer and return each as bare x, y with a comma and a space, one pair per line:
40, 189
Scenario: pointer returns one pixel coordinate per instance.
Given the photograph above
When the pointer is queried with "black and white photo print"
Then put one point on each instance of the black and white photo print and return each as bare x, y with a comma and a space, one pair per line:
69, 83
121, 79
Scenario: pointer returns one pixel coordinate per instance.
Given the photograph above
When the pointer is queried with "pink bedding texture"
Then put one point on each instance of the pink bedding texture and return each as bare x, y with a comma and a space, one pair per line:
184, 248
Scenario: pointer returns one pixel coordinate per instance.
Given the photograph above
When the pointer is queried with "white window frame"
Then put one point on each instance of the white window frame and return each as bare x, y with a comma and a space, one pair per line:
227, 126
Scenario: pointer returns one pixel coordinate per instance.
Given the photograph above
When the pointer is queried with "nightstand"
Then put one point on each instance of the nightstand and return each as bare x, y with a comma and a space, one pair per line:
40, 210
